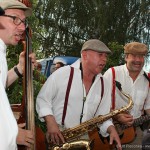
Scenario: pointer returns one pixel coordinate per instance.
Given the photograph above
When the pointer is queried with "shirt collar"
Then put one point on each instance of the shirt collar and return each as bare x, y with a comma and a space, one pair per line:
76, 64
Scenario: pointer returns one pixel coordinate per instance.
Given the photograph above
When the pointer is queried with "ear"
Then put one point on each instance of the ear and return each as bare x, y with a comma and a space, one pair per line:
84, 55
125, 57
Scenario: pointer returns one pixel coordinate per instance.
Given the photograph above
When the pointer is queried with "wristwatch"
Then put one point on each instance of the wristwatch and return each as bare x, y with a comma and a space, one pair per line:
17, 72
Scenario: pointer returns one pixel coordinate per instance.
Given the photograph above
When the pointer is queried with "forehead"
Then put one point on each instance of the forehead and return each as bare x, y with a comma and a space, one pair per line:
18, 12
95, 52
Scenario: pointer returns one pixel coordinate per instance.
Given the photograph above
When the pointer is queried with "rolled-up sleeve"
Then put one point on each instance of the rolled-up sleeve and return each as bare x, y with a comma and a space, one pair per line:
44, 98
104, 110
103, 127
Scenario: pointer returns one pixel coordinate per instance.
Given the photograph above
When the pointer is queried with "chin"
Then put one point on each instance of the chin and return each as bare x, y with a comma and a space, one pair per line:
15, 43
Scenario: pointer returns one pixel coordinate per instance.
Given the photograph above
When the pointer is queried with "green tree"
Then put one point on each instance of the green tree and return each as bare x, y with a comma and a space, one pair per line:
62, 26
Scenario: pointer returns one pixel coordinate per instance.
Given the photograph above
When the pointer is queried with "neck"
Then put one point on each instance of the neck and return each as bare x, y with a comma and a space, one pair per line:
88, 79
133, 75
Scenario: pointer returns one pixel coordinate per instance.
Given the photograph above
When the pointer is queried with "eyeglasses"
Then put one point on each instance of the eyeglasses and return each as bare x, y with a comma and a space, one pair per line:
138, 55
17, 21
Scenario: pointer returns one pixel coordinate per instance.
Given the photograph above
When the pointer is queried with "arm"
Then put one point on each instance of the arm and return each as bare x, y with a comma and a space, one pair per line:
45, 107
147, 103
12, 76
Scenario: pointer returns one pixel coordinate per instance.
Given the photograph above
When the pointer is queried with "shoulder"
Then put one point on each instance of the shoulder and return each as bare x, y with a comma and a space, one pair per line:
61, 70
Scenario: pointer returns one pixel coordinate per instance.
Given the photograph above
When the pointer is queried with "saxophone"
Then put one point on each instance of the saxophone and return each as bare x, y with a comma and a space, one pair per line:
73, 135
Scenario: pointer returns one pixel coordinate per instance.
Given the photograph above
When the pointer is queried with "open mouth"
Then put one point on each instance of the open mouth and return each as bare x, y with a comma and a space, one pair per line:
18, 37
102, 65
137, 65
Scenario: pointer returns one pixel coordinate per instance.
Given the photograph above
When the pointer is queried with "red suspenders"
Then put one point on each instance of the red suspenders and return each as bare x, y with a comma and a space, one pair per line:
113, 88
67, 94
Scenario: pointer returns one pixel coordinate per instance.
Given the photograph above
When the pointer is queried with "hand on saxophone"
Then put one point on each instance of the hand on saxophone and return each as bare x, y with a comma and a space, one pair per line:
53, 134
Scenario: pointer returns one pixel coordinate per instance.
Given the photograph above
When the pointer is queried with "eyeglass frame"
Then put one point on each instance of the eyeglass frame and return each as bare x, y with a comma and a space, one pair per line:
138, 55
14, 17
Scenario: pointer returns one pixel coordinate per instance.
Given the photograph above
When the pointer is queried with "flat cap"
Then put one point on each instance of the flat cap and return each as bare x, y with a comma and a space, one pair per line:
95, 45
15, 4
135, 48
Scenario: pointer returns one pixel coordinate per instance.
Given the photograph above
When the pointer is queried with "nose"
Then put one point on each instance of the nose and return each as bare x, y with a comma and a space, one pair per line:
22, 26
104, 57
139, 58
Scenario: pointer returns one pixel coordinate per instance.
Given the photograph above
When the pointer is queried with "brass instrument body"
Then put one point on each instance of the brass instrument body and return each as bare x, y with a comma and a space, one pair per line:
72, 134
74, 145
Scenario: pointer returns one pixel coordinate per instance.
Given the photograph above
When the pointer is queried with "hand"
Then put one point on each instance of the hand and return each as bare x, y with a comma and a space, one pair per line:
125, 119
114, 137
21, 63
53, 134
24, 137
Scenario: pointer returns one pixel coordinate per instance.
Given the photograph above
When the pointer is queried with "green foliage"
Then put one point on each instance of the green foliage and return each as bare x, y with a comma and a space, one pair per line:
60, 27
116, 57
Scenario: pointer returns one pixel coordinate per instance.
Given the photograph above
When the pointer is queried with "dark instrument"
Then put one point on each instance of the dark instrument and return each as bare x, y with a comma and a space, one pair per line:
126, 133
29, 88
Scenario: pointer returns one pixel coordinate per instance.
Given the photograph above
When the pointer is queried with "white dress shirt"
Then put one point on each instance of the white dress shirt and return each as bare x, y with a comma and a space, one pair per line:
139, 89
8, 124
50, 100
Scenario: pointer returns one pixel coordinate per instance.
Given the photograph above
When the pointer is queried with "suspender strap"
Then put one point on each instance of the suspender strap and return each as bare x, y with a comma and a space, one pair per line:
147, 77
102, 93
113, 88
67, 94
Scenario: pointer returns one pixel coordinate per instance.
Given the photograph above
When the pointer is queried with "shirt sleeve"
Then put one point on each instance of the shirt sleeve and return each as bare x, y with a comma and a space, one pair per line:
147, 101
104, 127
45, 97
106, 109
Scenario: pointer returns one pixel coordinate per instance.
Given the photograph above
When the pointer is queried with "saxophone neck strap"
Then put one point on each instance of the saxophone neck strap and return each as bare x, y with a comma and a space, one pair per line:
102, 93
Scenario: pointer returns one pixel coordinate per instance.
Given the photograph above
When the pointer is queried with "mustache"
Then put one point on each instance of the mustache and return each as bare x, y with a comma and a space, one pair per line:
137, 63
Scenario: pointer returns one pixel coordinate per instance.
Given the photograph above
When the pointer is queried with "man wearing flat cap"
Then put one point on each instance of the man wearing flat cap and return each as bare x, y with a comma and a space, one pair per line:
134, 81
12, 25
88, 97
